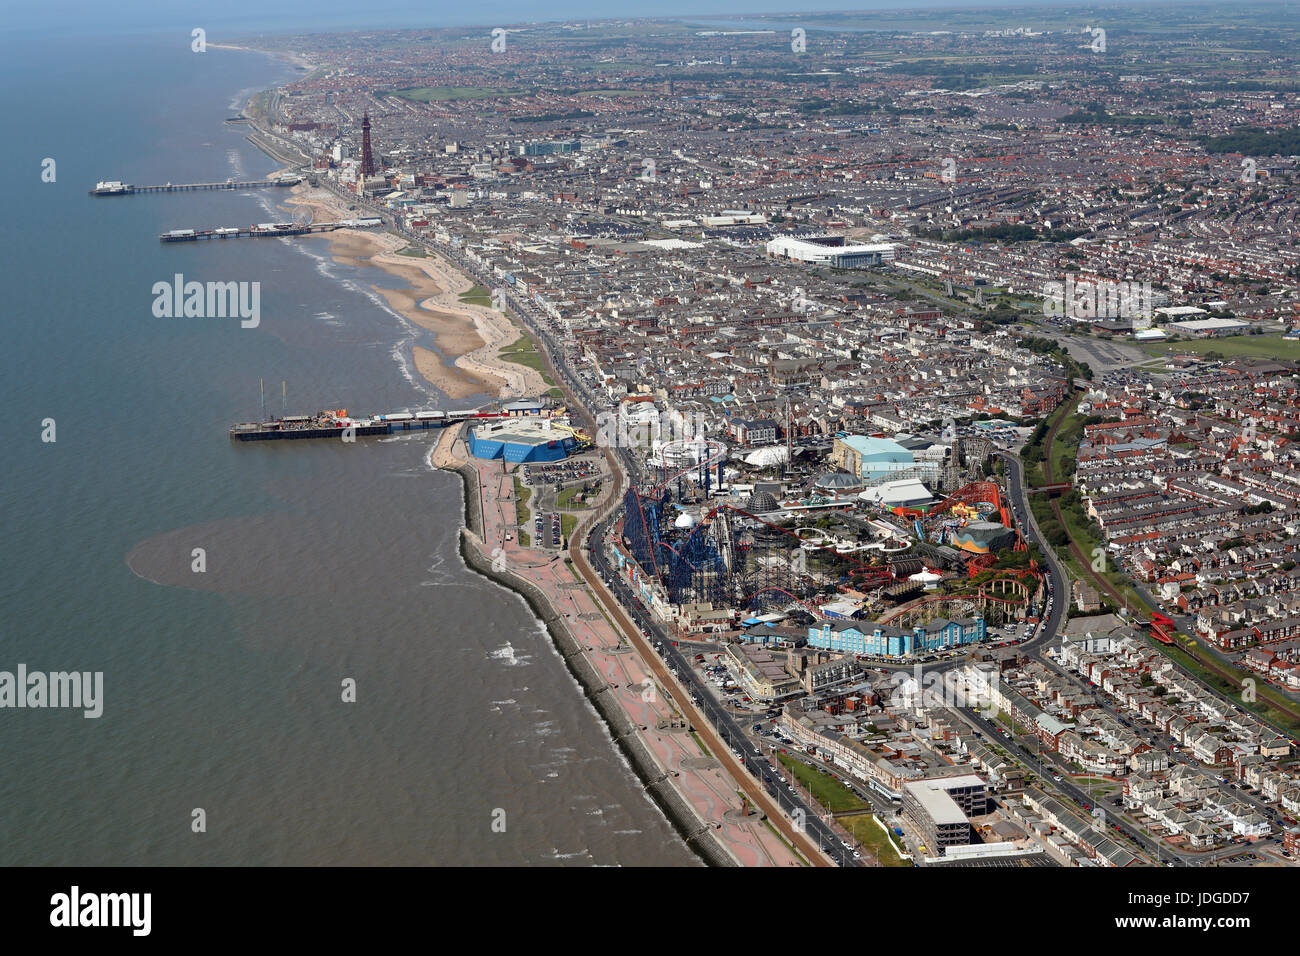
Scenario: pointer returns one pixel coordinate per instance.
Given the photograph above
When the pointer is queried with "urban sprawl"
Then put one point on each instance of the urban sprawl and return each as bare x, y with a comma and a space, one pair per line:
936, 378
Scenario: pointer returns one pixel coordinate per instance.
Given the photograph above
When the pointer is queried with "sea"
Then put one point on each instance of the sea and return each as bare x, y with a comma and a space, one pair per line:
230, 593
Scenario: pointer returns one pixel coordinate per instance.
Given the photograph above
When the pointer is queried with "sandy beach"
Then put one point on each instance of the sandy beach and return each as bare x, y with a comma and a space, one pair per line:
469, 337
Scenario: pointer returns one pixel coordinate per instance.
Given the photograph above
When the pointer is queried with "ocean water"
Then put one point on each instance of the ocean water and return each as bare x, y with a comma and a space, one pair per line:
324, 561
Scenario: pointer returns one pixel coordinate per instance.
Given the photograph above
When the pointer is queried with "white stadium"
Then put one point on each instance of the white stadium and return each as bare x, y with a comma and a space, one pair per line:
831, 251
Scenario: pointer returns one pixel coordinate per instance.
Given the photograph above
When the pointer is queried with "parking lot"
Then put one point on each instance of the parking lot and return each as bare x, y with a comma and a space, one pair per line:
546, 529
561, 472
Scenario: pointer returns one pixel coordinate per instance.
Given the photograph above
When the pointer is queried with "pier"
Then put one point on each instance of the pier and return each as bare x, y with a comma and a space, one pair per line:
251, 232
337, 424
115, 188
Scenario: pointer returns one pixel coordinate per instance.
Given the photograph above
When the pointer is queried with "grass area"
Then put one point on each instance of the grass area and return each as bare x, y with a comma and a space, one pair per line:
828, 791
414, 251
700, 743
1100, 783
1033, 464
867, 831
440, 94
523, 352
524, 539
565, 499
477, 296
1065, 447
556, 393
522, 495
567, 524
1233, 346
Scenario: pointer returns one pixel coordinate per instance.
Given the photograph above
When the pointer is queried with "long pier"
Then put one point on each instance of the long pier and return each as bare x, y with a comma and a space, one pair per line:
338, 425
270, 230
126, 189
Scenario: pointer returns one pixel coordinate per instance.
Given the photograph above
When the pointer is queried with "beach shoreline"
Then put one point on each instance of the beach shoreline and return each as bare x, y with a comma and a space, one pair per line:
469, 337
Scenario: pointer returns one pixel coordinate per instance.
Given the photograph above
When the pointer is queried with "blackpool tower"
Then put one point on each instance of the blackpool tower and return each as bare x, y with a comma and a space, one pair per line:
367, 158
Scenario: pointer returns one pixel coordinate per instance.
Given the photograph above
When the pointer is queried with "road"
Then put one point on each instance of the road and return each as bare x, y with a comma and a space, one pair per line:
725, 728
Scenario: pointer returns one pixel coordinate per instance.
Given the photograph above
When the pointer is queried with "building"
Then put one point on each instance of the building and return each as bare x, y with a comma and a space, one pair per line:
831, 251
1209, 327
882, 640
1086, 597
759, 431
874, 459
762, 674
983, 537
521, 440
938, 809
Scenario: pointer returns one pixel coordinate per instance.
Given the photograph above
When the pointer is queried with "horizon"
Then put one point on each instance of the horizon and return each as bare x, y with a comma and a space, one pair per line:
81, 17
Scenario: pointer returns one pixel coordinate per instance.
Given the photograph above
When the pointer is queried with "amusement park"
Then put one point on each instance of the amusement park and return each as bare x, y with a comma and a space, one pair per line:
887, 566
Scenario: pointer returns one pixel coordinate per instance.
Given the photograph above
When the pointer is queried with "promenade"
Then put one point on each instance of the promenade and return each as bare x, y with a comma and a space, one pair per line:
692, 769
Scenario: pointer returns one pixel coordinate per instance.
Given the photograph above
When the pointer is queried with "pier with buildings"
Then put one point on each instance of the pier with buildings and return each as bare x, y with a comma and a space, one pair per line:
336, 423
117, 188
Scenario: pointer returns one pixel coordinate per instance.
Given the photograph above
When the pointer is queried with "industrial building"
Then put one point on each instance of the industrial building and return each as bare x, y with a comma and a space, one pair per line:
874, 460
1209, 327
522, 440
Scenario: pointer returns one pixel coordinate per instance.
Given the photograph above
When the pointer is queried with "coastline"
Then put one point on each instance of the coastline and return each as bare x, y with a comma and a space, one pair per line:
716, 837
697, 792
469, 337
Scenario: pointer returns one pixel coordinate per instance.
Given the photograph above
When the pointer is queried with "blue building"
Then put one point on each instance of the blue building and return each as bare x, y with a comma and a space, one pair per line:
882, 640
872, 458
521, 440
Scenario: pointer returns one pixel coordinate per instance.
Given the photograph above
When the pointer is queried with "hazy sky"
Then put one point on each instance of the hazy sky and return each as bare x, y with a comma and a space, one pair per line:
231, 16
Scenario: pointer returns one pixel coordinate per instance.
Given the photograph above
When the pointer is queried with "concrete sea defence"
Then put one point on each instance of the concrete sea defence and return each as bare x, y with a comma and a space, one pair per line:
698, 834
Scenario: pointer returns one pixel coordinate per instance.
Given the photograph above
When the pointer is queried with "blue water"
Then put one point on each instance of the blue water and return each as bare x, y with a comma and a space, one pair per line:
324, 561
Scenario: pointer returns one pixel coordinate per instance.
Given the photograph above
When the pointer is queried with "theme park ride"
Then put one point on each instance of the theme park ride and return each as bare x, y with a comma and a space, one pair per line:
730, 557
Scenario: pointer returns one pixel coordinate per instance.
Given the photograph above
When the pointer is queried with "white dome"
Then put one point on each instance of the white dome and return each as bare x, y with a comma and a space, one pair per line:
686, 520
766, 457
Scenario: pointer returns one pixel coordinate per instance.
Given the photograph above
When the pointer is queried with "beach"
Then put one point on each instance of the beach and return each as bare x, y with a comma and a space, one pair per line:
469, 337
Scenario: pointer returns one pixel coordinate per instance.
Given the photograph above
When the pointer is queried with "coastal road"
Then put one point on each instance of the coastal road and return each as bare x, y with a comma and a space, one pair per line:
717, 725
720, 732
703, 782
724, 737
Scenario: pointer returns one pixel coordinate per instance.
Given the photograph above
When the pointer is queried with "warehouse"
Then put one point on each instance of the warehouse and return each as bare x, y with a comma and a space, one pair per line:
1210, 327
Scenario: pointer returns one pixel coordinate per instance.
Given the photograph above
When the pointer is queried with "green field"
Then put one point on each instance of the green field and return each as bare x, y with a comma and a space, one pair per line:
415, 252
1233, 346
567, 524
565, 499
523, 352
477, 296
522, 495
828, 791
438, 94
867, 832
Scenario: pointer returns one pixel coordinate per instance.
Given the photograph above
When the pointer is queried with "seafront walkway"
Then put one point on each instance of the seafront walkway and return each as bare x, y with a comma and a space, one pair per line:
695, 773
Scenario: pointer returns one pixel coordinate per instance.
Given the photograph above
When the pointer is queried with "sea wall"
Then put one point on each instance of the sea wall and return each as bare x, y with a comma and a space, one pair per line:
699, 835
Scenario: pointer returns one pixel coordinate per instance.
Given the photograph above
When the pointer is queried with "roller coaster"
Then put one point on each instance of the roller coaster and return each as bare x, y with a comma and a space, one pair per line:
732, 557
717, 453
